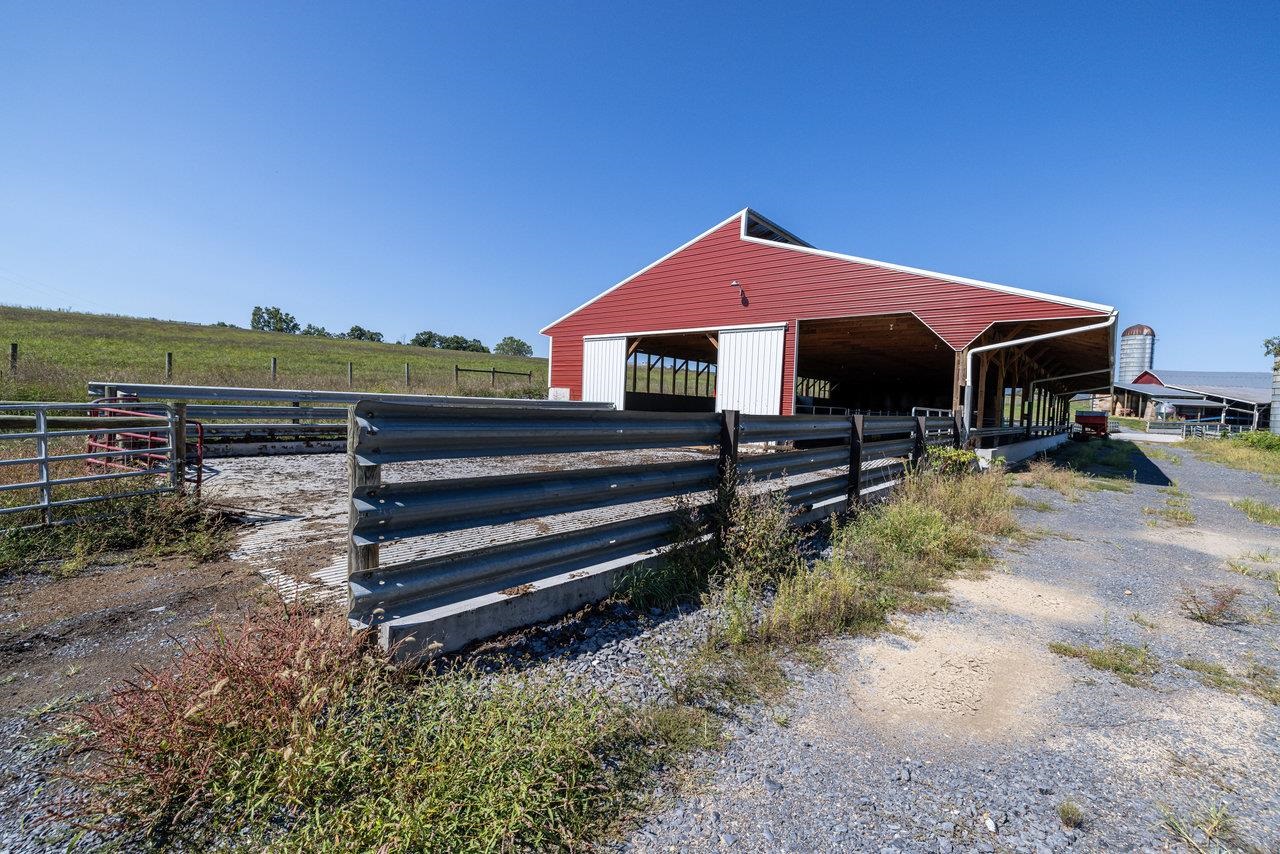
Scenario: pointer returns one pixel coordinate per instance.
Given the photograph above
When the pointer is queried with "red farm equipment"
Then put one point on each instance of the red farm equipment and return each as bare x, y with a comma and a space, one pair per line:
1090, 423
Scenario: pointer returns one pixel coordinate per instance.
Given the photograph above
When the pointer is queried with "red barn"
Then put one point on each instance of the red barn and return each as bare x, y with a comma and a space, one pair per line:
748, 316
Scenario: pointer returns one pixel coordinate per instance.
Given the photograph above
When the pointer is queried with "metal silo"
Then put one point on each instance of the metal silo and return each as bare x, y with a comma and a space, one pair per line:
1137, 352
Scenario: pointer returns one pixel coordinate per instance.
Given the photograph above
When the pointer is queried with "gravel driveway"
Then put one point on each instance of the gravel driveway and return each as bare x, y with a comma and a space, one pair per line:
965, 732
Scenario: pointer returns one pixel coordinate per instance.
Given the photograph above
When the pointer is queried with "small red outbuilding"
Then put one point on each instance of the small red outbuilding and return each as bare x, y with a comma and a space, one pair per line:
748, 316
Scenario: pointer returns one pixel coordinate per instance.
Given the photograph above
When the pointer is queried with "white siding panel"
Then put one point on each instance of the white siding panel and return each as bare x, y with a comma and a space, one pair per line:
604, 370
749, 370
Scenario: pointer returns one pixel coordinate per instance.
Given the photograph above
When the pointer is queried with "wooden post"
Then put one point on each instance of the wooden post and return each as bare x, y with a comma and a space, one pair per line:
980, 418
406, 374
853, 492
168, 366
178, 445
13, 357
455, 376
361, 479
493, 377
957, 430
957, 381
1025, 404
351, 372
273, 368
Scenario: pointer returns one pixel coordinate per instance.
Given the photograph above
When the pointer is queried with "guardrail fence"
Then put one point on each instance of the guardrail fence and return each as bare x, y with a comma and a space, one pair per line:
66, 455
588, 514
252, 421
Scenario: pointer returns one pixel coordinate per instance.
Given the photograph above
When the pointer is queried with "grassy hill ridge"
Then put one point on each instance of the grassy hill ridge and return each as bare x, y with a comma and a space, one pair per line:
61, 351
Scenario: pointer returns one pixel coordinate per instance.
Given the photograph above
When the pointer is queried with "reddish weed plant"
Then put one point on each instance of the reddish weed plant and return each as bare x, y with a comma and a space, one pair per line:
160, 751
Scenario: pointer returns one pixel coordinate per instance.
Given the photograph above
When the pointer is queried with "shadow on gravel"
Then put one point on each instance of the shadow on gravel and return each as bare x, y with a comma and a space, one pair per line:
1112, 459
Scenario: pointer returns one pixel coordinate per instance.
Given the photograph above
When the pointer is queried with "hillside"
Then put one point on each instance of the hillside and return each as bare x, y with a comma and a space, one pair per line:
60, 351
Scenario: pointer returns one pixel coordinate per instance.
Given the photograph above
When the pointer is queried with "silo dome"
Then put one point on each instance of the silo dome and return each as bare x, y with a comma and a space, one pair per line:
1139, 329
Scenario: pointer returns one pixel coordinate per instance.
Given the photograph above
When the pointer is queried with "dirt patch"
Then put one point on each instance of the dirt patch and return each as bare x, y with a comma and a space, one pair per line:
954, 687
1032, 600
1218, 546
66, 637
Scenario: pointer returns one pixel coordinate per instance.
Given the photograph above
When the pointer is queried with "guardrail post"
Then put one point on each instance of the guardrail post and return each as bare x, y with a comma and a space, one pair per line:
853, 492
726, 471
918, 451
178, 445
360, 477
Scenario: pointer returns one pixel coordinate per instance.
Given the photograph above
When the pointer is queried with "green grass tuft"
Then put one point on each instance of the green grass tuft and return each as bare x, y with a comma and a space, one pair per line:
1258, 511
1131, 664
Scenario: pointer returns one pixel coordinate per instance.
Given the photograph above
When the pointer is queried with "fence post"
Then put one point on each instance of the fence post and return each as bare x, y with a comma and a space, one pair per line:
360, 478
853, 492
351, 371
493, 377
406, 374
168, 366
178, 445
918, 451
455, 376
273, 368
13, 357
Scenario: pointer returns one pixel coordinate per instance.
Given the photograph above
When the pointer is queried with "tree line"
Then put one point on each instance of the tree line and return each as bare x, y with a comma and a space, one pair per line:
271, 318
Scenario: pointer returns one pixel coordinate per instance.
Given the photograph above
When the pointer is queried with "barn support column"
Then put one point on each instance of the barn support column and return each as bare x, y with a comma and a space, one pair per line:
957, 382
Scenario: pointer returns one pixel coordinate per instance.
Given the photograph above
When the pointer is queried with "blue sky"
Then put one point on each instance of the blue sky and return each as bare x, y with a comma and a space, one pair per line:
481, 168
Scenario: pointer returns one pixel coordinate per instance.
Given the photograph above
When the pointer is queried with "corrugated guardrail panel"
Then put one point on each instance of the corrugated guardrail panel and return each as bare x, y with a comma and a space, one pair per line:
388, 432
439, 541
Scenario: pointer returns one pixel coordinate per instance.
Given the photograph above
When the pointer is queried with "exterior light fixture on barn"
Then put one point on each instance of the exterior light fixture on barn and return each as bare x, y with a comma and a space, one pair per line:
748, 316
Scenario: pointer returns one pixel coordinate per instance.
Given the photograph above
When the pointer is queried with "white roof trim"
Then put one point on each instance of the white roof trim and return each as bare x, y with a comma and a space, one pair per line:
741, 216
742, 213
777, 324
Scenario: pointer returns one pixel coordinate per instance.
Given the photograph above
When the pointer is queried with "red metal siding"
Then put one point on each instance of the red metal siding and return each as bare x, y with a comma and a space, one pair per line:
1147, 378
692, 289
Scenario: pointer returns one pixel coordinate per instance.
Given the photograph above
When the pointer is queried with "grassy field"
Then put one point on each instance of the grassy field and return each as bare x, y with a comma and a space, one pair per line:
60, 351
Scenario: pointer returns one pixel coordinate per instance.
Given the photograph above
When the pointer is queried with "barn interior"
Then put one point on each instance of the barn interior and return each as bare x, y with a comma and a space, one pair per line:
672, 373
879, 365
891, 364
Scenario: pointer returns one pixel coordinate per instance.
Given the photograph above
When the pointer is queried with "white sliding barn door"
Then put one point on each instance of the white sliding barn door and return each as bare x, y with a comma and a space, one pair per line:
749, 370
604, 370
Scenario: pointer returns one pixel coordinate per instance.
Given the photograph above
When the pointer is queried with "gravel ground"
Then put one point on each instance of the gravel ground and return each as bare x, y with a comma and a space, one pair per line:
963, 731
966, 733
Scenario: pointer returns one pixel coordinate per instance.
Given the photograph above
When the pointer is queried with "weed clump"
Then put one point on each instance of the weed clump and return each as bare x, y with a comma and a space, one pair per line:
1217, 605
1131, 664
1258, 511
301, 735
1070, 814
158, 525
893, 556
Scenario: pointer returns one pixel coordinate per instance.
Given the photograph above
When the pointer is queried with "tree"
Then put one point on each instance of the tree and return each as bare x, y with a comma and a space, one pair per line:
460, 342
316, 331
359, 333
272, 319
512, 346
426, 338
1272, 348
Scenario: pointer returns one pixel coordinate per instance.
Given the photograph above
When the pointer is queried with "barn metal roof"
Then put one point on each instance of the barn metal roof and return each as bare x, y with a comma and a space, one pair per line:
1246, 386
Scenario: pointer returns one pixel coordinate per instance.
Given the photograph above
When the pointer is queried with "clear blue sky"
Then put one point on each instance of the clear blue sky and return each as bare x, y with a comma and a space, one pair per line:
481, 168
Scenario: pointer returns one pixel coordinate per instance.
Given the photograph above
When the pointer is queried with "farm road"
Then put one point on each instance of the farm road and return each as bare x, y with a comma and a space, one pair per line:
964, 732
